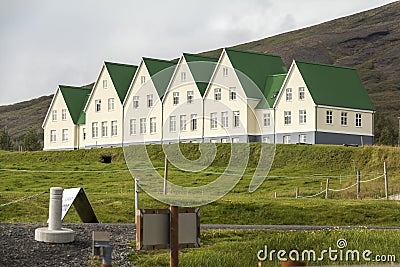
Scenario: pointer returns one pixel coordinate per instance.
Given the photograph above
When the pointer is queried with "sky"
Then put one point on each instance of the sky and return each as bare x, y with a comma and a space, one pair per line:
45, 43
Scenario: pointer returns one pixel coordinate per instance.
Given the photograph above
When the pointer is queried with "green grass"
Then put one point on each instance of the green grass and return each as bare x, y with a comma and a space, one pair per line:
239, 248
112, 194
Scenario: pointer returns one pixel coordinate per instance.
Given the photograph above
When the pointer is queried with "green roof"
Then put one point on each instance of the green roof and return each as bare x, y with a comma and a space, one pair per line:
201, 72
335, 86
160, 72
75, 98
271, 90
121, 76
253, 69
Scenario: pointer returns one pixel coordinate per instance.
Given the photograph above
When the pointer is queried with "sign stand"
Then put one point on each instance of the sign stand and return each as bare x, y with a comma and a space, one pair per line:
174, 236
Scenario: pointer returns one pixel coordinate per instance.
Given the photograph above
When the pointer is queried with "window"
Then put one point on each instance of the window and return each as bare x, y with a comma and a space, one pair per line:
289, 94
213, 120
53, 136
149, 101
358, 120
65, 135
266, 139
183, 76
114, 128
95, 130
136, 102
301, 93
63, 114
225, 71
190, 97
104, 84
232, 93
236, 121
302, 138
111, 105
302, 116
193, 122
84, 133
213, 141
176, 98
267, 119
224, 140
143, 125
217, 94
97, 105
104, 129
132, 127
153, 125
287, 117
172, 123
224, 119
235, 140
286, 139
183, 122
54, 115
142, 79
343, 119
329, 117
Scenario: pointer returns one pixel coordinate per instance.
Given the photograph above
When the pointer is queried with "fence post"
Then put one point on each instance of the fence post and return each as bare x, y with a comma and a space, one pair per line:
276, 195
327, 188
386, 180
165, 175
358, 184
297, 192
136, 198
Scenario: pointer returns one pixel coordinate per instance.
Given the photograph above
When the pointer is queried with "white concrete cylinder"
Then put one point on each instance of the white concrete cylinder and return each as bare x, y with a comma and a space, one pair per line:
55, 208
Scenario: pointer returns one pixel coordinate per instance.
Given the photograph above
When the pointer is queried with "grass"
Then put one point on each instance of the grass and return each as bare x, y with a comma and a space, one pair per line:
239, 248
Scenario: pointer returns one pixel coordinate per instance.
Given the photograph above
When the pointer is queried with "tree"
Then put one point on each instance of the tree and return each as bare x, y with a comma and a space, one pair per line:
31, 141
5, 140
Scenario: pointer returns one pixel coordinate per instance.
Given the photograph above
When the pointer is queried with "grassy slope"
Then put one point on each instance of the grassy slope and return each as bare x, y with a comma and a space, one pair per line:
114, 191
368, 41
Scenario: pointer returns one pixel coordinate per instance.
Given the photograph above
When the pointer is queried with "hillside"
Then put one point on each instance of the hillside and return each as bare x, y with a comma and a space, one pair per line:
368, 41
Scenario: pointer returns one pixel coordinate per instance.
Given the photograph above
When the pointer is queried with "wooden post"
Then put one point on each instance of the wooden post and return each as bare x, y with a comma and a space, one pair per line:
386, 181
276, 195
174, 236
297, 192
165, 175
358, 184
327, 189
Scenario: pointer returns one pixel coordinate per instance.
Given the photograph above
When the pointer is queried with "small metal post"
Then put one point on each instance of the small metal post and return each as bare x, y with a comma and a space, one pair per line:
107, 252
327, 189
276, 195
165, 174
297, 192
358, 184
174, 236
136, 198
386, 181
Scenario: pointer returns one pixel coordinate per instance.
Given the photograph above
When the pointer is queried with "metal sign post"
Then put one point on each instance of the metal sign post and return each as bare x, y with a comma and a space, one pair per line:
174, 236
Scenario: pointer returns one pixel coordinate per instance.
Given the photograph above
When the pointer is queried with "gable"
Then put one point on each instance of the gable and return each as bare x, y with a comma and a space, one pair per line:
335, 86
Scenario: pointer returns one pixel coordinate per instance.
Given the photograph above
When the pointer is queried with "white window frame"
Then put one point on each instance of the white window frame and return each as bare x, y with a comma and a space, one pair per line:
150, 100
135, 101
266, 140
65, 135
302, 116
84, 133
63, 114
190, 97
235, 140
287, 139
329, 117
105, 84
225, 119
97, 105
53, 136
95, 129
236, 119
287, 117
232, 93
111, 104
303, 138
104, 129
114, 128
175, 98
217, 94
343, 119
289, 94
142, 125
302, 93
153, 125
172, 124
182, 120
54, 115
183, 76
142, 80
213, 121
132, 127
193, 122
267, 119
225, 71
358, 120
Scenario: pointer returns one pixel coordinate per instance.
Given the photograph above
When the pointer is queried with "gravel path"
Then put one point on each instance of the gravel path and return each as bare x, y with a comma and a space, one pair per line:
18, 246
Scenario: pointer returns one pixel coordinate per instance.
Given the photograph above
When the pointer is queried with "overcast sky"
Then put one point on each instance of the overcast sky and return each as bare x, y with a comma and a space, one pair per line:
44, 43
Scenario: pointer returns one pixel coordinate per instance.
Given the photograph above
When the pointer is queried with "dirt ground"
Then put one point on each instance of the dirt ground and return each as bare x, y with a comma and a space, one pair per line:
18, 246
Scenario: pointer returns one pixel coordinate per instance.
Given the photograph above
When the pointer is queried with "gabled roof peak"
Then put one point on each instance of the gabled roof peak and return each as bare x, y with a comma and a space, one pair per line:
324, 65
